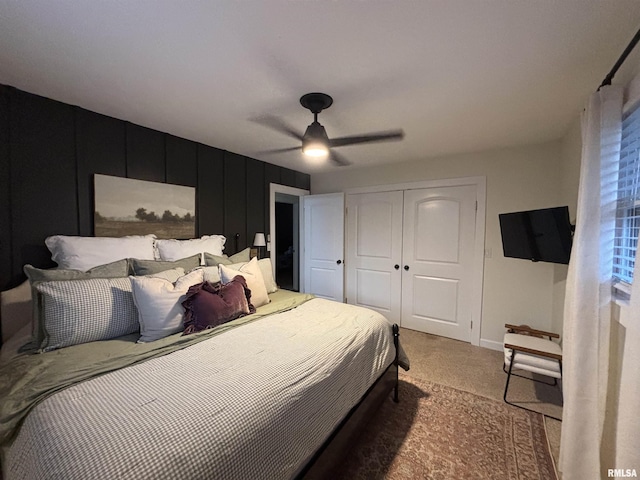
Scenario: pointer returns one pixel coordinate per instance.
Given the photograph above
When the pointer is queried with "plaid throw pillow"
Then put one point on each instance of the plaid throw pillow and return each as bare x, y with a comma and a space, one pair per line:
80, 311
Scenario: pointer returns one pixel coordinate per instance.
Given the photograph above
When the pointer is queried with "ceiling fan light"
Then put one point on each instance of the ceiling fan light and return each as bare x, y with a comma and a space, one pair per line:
315, 149
315, 142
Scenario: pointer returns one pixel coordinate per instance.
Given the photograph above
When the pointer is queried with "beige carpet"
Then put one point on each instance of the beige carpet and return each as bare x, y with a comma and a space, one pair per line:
439, 432
479, 370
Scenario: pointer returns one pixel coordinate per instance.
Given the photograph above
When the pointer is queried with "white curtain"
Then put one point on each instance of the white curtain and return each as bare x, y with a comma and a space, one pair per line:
628, 412
587, 311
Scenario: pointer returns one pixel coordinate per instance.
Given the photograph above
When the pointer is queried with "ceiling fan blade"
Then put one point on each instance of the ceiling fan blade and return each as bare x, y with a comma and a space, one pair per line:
279, 150
338, 159
368, 138
276, 123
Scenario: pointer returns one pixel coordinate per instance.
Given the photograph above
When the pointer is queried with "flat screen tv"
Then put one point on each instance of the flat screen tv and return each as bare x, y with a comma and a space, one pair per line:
543, 235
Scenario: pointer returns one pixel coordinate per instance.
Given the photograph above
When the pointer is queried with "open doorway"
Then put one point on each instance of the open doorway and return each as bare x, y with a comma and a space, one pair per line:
285, 208
287, 243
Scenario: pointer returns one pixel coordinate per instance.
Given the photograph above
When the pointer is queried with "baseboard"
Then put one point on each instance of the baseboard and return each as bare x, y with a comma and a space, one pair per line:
490, 344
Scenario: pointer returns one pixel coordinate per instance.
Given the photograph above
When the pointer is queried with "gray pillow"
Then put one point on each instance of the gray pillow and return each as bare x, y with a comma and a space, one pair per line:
150, 267
117, 269
81, 311
211, 260
170, 275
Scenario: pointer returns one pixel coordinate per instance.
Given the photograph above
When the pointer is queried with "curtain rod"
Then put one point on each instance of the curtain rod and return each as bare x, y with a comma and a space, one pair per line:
623, 57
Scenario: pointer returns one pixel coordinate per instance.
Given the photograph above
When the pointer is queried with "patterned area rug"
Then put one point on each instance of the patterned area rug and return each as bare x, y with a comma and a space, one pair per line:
438, 432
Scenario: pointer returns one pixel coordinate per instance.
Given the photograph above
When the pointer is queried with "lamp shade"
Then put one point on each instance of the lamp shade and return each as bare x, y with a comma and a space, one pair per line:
315, 142
259, 241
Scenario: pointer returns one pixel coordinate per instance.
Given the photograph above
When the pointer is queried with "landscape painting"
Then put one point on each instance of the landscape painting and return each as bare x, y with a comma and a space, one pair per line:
124, 206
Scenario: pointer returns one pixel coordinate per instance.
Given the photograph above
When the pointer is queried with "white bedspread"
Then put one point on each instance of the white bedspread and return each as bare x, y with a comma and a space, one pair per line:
254, 402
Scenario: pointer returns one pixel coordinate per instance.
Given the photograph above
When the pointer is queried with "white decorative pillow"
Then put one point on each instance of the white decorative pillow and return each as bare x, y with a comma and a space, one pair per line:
266, 270
252, 274
81, 311
159, 303
83, 253
211, 274
267, 274
172, 250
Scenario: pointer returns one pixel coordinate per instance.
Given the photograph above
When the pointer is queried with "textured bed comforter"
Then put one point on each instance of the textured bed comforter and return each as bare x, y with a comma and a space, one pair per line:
253, 402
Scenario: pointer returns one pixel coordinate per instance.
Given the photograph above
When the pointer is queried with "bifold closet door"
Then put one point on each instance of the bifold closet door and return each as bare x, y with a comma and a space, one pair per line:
438, 259
374, 252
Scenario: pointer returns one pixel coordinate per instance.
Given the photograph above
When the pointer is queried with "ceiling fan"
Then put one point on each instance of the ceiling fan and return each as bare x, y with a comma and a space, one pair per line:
315, 142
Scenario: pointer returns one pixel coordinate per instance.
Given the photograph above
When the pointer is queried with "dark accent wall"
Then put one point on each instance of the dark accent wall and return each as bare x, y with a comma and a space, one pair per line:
49, 152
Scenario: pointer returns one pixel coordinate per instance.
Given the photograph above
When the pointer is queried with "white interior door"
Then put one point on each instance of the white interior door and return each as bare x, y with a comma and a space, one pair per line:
438, 260
374, 252
324, 245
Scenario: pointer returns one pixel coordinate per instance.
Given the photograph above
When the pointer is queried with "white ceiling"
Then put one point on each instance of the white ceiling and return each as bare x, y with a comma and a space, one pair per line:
456, 75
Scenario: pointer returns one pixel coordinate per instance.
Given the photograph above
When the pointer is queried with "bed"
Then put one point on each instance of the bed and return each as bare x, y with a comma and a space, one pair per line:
266, 395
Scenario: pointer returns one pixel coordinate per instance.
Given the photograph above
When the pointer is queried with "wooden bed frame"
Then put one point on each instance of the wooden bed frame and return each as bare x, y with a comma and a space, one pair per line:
328, 459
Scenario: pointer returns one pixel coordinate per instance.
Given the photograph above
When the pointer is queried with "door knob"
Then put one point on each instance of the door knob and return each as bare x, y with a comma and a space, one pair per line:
406, 267
396, 266
339, 262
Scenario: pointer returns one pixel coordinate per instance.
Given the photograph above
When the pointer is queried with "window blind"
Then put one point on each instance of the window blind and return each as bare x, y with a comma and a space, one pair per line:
628, 206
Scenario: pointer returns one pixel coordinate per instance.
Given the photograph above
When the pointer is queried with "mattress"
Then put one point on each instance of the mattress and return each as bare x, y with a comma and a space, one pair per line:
256, 401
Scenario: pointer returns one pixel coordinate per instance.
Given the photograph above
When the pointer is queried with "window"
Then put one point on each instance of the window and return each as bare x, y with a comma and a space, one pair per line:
628, 207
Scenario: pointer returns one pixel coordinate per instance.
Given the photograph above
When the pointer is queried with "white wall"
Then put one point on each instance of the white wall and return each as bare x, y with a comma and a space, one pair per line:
522, 178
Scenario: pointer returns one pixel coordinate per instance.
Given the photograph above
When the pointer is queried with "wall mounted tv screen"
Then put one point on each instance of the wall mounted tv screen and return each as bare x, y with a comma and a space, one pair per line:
543, 235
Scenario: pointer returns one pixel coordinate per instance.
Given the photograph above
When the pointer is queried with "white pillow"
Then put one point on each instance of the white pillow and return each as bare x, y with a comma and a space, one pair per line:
172, 250
159, 304
267, 274
211, 274
84, 253
251, 273
266, 270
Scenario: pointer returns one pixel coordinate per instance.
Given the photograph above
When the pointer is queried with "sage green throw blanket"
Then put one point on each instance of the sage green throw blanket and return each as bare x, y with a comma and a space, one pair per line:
30, 378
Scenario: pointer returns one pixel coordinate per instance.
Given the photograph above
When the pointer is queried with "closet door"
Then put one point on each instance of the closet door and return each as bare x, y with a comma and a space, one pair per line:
374, 252
438, 260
